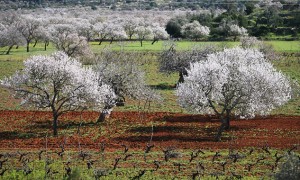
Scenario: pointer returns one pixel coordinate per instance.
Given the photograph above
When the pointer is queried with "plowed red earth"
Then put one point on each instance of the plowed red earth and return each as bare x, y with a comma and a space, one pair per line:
32, 129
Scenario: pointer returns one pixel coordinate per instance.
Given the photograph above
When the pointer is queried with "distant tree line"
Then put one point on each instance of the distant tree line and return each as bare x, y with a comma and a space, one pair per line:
265, 19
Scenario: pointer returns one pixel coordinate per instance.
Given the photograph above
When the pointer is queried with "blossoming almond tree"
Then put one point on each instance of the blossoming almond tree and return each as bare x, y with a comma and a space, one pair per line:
159, 33
194, 30
28, 28
116, 31
235, 31
235, 81
10, 37
171, 60
122, 72
143, 32
102, 29
66, 39
58, 83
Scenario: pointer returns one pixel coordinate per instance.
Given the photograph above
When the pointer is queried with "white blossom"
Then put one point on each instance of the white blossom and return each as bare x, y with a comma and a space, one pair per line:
116, 31
242, 76
195, 30
235, 81
10, 36
269, 3
235, 30
159, 33
66, 39
143, 32
59, 83
249, 41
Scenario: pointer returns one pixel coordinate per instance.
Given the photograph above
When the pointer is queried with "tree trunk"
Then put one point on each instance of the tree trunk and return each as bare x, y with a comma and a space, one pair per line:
45, 47
111, 40
55, 118
154, 40
104, 114
227, 120
181, 78
101, 117
130, 36
220, 131
8, 51
27, 47
35, 43
100, 42
224, 126
141, 43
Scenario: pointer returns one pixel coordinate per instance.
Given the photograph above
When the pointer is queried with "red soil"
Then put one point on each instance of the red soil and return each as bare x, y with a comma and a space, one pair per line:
28, 130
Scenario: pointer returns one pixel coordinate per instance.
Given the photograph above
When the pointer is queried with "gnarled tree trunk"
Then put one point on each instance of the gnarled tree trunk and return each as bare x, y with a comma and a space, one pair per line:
181, 76
225, 125
35, 42
55, 125
27, 46
154, 40
104, 114
100, 42
8, 51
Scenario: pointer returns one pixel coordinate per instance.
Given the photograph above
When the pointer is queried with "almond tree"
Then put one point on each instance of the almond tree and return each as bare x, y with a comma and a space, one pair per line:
194, 30
116, 31
102, 30
235, 31
44, 33
266, 49
28, 28
143, 32
172, 60
236, 82
10, 37
159, 33
249, 42
65, 38
120, 70
58, 83
129, 25
85, 28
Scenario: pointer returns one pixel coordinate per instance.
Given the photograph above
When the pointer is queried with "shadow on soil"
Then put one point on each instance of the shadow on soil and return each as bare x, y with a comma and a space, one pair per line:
191, 119
170, 133
34, 131
61, 125
144, 139
10, 135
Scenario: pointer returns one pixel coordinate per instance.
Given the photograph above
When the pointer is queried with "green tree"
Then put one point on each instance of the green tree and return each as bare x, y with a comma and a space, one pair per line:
174, 26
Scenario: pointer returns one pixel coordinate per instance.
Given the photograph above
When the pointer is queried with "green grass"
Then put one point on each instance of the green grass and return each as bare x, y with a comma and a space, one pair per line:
280, 46
156, 47
285, 46
20, 54
163, 83
290, 67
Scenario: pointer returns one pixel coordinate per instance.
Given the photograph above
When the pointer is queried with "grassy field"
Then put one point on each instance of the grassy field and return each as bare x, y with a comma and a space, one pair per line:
22, 131
21, 54
163, 83
281, 46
